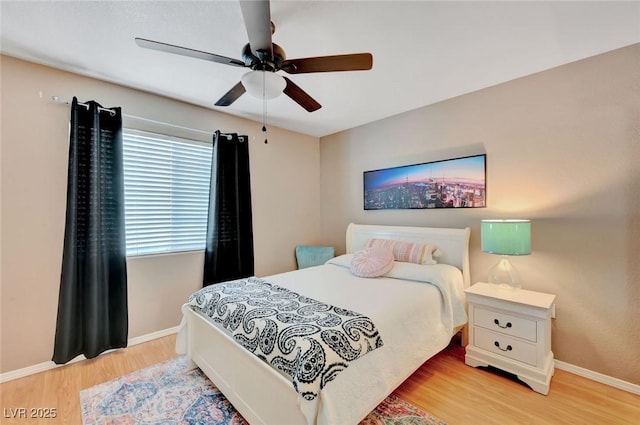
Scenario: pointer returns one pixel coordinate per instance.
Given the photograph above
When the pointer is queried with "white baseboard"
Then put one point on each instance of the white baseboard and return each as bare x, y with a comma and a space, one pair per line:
153, 335
41, 367
599, 377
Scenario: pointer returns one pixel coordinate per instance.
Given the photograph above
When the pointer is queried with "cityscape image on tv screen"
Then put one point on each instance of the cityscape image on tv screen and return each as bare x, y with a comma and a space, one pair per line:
452, 183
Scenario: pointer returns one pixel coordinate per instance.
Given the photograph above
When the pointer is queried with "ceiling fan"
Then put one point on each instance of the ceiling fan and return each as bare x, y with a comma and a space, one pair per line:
267, 58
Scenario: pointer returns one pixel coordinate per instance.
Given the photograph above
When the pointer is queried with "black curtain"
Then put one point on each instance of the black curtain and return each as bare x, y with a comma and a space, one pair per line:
229, 250
92, 304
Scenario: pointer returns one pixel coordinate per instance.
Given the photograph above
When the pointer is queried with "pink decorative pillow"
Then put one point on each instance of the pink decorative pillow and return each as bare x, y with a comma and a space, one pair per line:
371, 262
407, 252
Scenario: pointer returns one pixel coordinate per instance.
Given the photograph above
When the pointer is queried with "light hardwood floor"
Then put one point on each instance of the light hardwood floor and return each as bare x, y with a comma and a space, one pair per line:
443, 386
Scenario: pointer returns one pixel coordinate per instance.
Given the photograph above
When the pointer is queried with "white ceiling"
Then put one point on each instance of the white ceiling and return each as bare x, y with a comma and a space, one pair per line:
424, 51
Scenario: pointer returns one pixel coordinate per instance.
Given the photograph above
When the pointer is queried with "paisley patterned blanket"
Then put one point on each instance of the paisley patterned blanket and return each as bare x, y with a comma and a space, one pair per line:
308, 341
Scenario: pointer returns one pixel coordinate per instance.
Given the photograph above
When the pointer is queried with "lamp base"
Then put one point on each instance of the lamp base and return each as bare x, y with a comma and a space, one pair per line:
505, 275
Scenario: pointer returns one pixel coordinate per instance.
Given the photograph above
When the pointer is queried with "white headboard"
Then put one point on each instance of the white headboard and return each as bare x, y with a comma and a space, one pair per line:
453, 243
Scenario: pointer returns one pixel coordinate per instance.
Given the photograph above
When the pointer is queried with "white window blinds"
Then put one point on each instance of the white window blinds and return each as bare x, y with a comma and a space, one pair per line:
166, 185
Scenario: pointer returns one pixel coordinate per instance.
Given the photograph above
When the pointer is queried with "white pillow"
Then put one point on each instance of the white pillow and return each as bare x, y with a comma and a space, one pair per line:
371, 262
407, 252
343, 260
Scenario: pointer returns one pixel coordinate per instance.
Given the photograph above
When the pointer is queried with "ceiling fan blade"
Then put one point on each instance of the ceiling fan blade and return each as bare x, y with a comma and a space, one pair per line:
183, 51
300, 96
257, 20
232, 95
352, 62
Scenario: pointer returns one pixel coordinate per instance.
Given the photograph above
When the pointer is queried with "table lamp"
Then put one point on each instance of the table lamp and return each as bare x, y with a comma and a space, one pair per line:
506, 237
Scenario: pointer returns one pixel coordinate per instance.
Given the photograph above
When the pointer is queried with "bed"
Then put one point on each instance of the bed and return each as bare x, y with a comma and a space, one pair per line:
416, 320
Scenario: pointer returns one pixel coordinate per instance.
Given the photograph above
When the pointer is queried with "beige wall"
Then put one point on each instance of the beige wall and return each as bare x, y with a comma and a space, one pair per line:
34, 148
563, 148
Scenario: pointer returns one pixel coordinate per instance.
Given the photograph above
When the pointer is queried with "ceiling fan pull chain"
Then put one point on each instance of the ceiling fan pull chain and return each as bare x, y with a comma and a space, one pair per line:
264, 109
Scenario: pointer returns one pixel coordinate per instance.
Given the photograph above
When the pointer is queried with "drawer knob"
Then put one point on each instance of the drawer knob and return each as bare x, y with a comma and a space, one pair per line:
497, 344
497, 322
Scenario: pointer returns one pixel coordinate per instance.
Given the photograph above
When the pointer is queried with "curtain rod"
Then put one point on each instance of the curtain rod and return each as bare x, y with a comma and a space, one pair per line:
56, 99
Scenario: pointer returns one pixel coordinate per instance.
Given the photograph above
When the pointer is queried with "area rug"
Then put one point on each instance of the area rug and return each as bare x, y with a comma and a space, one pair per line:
169, 394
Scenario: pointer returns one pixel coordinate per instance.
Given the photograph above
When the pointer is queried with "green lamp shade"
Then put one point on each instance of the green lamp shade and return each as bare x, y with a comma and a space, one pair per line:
506, 237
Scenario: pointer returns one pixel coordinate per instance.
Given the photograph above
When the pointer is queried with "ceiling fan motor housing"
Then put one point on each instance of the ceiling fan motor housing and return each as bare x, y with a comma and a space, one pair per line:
262, 60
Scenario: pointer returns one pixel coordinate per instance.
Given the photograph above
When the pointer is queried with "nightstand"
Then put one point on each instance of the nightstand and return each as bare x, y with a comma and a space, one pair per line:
511, 330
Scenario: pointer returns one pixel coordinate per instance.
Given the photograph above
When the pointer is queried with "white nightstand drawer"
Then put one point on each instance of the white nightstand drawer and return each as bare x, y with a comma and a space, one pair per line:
505, 323
505, 345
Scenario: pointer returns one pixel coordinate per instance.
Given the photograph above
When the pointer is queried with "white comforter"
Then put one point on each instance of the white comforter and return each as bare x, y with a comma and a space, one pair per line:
415, 308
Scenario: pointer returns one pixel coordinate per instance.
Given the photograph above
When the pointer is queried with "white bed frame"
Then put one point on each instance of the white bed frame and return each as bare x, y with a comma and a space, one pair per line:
261, 394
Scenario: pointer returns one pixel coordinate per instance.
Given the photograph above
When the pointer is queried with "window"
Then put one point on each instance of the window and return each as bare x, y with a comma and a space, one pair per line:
166, 192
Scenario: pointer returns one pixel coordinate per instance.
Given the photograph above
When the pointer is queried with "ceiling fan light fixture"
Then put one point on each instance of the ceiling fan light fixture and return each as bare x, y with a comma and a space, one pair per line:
253, 81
